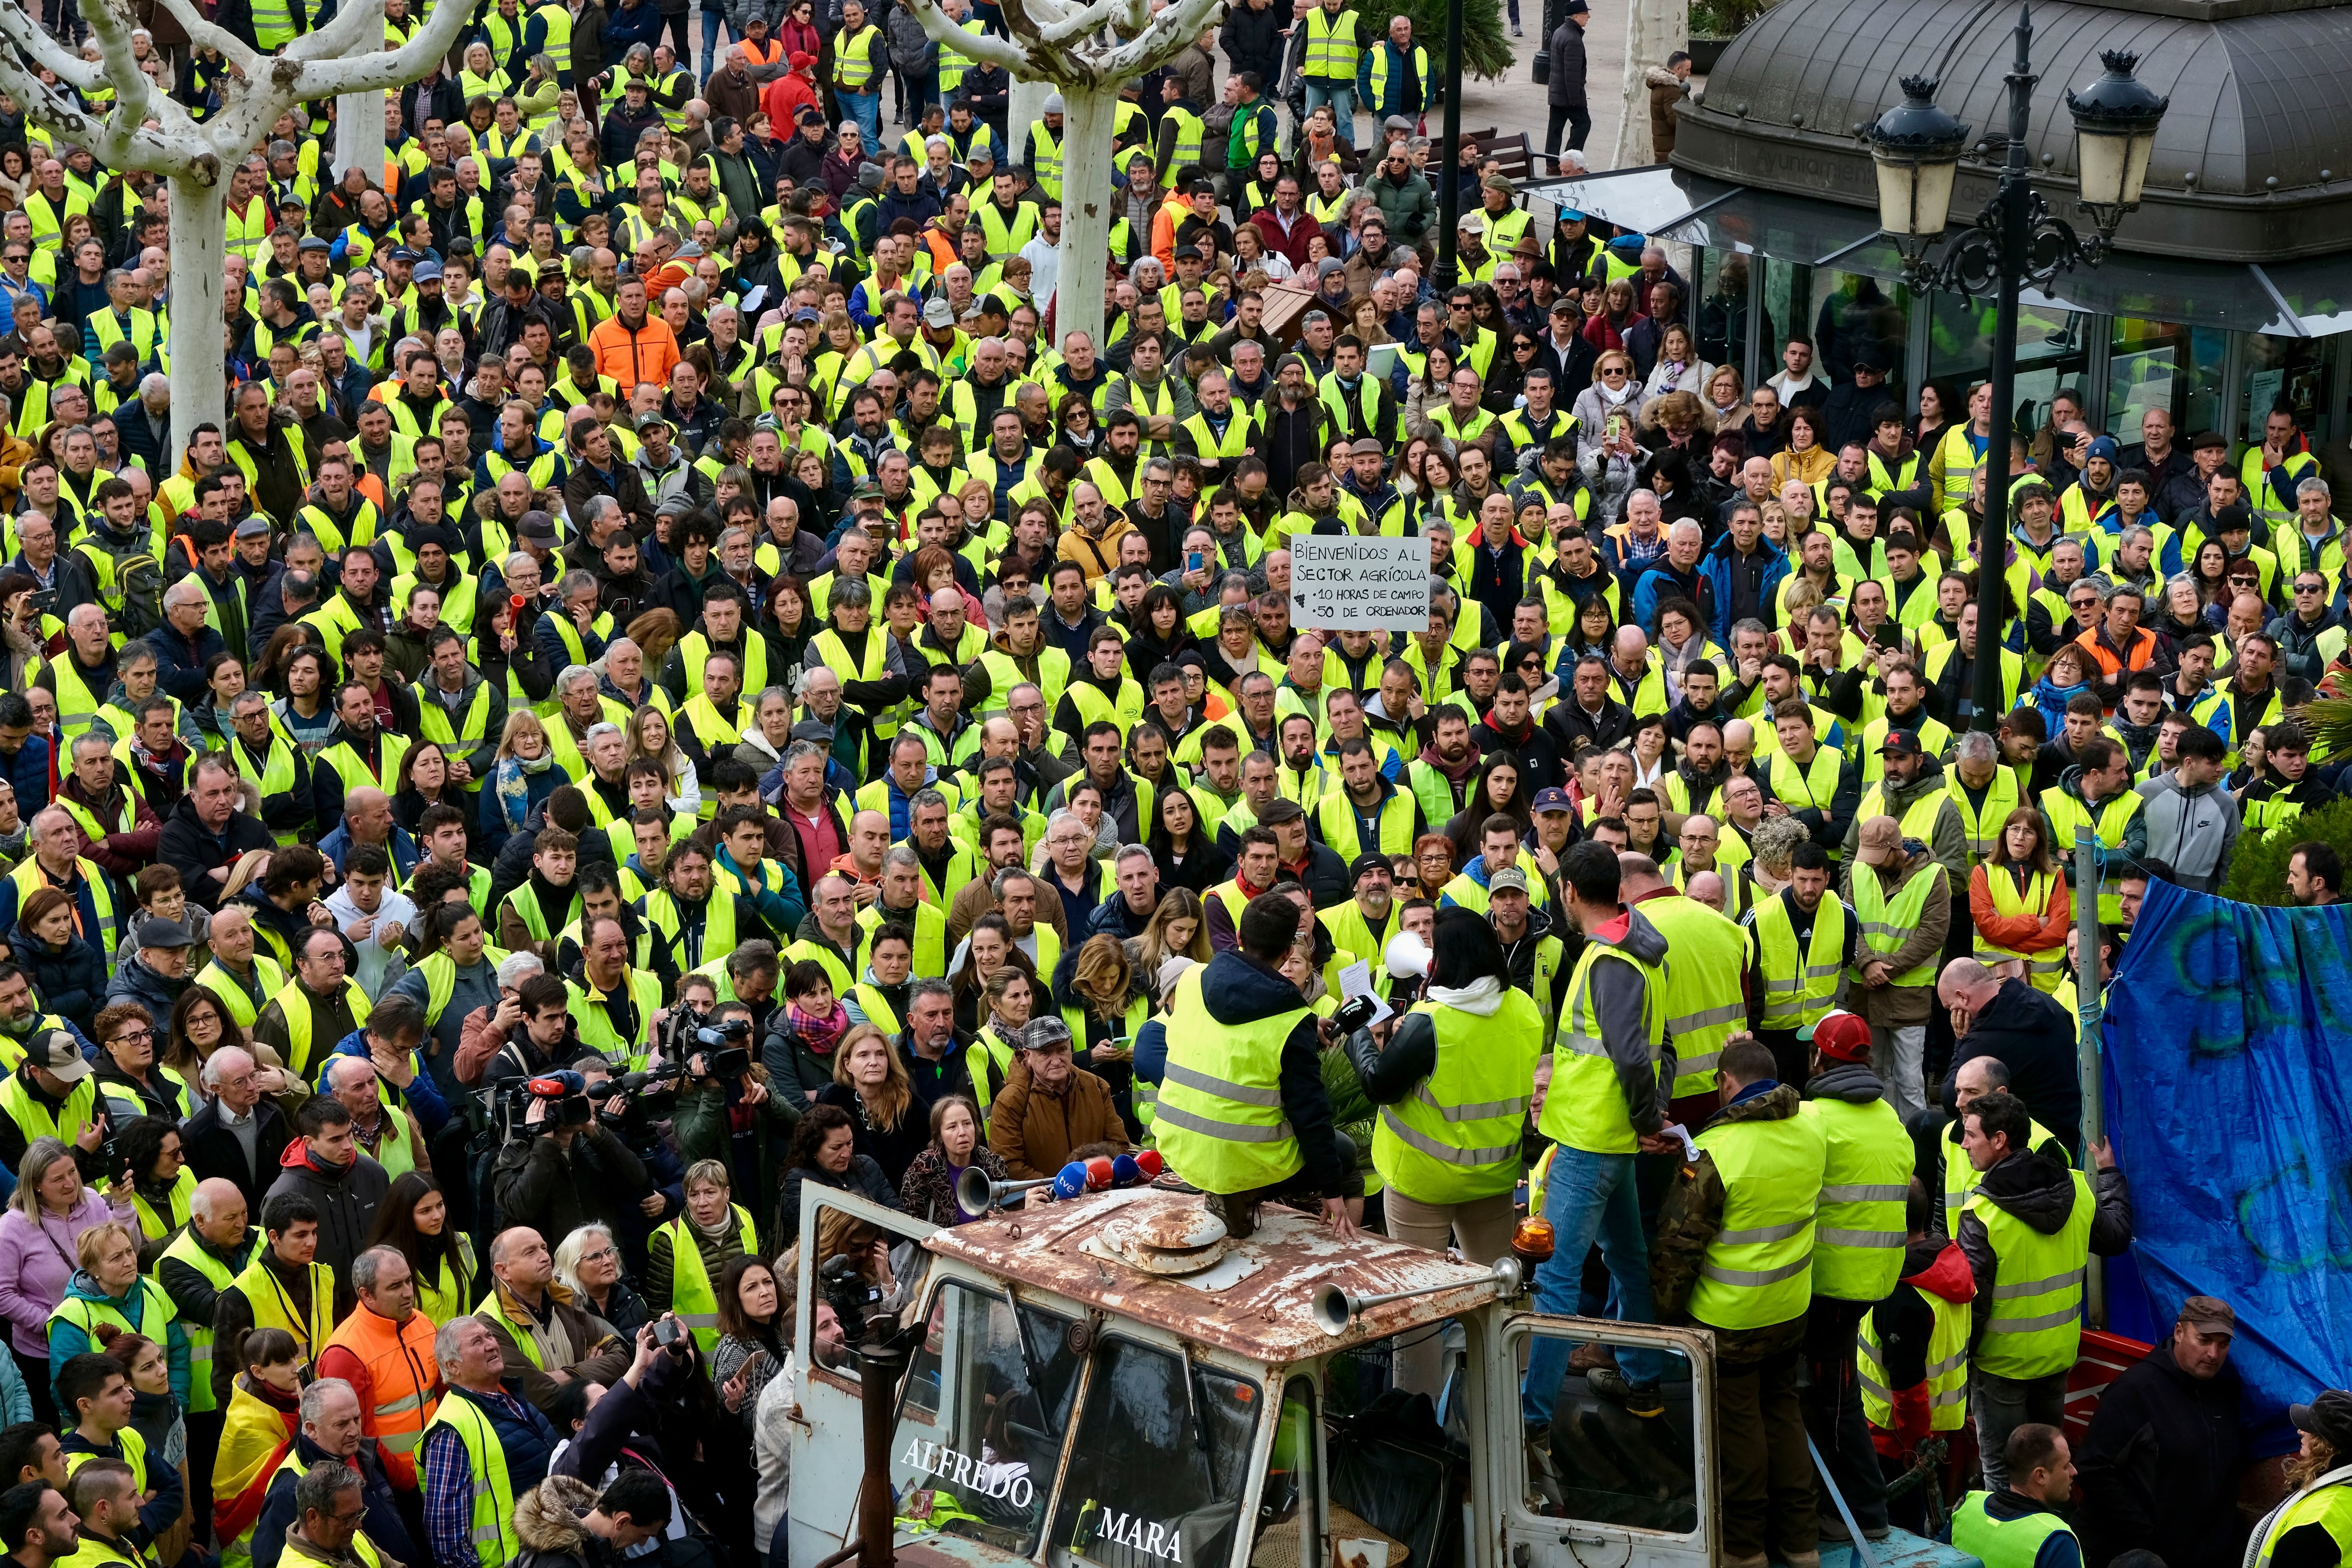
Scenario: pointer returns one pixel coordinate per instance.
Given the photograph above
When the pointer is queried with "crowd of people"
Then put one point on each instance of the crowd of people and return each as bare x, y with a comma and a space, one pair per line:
675, 594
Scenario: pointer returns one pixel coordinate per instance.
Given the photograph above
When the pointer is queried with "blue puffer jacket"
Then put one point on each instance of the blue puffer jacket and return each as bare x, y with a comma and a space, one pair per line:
1716, 568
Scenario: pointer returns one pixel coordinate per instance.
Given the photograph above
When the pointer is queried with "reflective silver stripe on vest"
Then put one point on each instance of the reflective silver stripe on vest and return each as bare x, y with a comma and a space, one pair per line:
1690, 1066
1886, 929
1859, 1237
1177, 1117
1484, 1110
699, 1320
1872, 1385
1413, 1138
1763, 1234
1582, 1044
400, 1442
1730, 1013
1952, 1362
1864, 1194
1754, 1276
2032, 1325
401, 1406
2009, 1293
2033, 966
1948, 1397
1193, 1078
200, 1352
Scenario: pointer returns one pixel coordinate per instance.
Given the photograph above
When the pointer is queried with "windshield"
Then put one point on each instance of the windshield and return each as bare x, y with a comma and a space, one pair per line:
980, 1426
1159, 1464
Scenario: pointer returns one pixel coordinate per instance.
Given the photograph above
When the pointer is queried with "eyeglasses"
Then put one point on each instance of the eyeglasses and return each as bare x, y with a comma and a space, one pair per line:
599, 1255
133, 1037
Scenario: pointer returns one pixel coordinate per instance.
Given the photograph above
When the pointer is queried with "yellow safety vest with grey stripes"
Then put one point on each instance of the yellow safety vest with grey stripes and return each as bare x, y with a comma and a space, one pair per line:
2037, 1289
1586, 1108
2042, 965
1706, 999
1800, 988
692, 1296
1455, 1138
1757, 1270
1220, 1121
1948, 1368
491, 1528
1981, 827
1858, 1247
1885, 927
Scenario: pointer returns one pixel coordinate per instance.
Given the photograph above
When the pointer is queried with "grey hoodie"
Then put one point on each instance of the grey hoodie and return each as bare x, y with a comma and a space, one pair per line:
2194, 830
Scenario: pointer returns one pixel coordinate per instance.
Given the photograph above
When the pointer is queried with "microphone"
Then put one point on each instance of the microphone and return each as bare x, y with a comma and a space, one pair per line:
554, 1084
1070, 1182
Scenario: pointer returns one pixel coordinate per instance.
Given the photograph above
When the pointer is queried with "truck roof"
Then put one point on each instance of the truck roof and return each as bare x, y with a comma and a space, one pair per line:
1265, 1315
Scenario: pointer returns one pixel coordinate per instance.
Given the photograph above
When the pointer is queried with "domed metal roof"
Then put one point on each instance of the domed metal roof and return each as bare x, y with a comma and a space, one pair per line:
2252, 163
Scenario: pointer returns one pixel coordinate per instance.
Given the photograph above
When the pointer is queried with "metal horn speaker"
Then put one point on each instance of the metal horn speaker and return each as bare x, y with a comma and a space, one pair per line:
1334, 1310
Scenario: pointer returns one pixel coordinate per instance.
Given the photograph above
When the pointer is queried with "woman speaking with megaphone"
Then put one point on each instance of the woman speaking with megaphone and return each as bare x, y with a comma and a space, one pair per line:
1453, 1086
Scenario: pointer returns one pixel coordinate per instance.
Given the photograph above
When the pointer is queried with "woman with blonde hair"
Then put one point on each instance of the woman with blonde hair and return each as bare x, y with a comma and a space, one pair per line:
1103, 1003
870, 1083
41, 1236
1177, 929
107, 1291
650, 736
524, 775
1679, 367
684, 1256
2021, 903
2309, 1526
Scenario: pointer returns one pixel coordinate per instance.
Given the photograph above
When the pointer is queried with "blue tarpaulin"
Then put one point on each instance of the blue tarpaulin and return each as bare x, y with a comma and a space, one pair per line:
2228, 1088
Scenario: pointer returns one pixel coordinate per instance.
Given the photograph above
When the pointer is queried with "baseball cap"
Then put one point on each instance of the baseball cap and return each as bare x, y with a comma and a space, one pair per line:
2209, 1313
1552, 799
651, 417
1509, 879
1841, 1036
1193, 251
2327, 1416
427, 272
939, 313
61, 1058
403, 253
1474, 222
164, 933
806, 314
1901, 743
800, 60
1369, 860
536, 525
252, 526
867, 489
1880, 836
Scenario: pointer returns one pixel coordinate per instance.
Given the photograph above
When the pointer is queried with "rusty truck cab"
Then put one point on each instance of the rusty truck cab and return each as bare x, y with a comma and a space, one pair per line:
1066, 1408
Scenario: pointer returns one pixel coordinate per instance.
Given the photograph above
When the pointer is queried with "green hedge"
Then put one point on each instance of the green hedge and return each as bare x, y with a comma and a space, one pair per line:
1485, 43
2258, 869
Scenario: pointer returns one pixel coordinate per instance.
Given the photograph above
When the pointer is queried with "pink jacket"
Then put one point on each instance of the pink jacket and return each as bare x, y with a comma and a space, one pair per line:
36, 1262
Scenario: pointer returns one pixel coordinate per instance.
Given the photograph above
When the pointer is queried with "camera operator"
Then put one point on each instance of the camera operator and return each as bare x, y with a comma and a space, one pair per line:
725, 1110
562, 1166
537, 1021
632, 1116
621, 1433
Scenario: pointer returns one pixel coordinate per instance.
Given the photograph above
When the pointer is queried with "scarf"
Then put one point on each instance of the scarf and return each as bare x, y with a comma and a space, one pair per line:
1454, 772
820, 1031
1482, 997
535, 764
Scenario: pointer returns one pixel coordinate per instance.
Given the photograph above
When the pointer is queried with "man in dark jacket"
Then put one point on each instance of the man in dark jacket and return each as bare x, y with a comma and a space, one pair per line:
324, 1165
1252, 37
2159, 1464
1239, 988
2022, 1218
206, 834
330, 1433
2033, 1037
1566, 88
237, 1136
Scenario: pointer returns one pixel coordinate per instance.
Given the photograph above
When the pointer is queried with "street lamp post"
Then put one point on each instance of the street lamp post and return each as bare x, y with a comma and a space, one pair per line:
1446, 273
2014, 241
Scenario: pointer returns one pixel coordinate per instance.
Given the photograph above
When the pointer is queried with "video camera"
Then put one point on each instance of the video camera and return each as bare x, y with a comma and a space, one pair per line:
565, 1095
689, 1033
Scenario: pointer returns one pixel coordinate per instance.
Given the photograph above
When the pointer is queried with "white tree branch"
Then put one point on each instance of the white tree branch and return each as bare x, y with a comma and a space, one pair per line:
203, 35
985, 47
382, 70
1169, 34
354, 29
47, 52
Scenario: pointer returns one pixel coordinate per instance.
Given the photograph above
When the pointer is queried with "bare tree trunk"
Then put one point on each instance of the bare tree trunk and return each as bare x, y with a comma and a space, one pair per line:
1088, 114
359, 133
199, 229
1028, 101
1653, 29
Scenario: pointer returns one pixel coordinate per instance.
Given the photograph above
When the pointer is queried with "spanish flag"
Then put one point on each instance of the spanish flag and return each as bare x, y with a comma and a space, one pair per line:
255, 1435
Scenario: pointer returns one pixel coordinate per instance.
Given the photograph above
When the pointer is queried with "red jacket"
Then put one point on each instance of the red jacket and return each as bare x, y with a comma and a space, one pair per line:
1291, 246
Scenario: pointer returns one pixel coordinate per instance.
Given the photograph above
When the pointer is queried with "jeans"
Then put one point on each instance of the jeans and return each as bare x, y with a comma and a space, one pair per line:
1895, 1055
865, 108
1591, 1198
1833, 1406
1340, 96
2003, 1405
713, 23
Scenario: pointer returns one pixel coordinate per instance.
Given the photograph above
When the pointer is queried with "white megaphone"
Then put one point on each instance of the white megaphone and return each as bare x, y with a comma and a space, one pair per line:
1407, 956
1334, 1310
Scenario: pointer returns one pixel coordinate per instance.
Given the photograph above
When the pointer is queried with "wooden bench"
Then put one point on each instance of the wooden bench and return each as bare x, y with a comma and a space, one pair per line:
1514, 157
